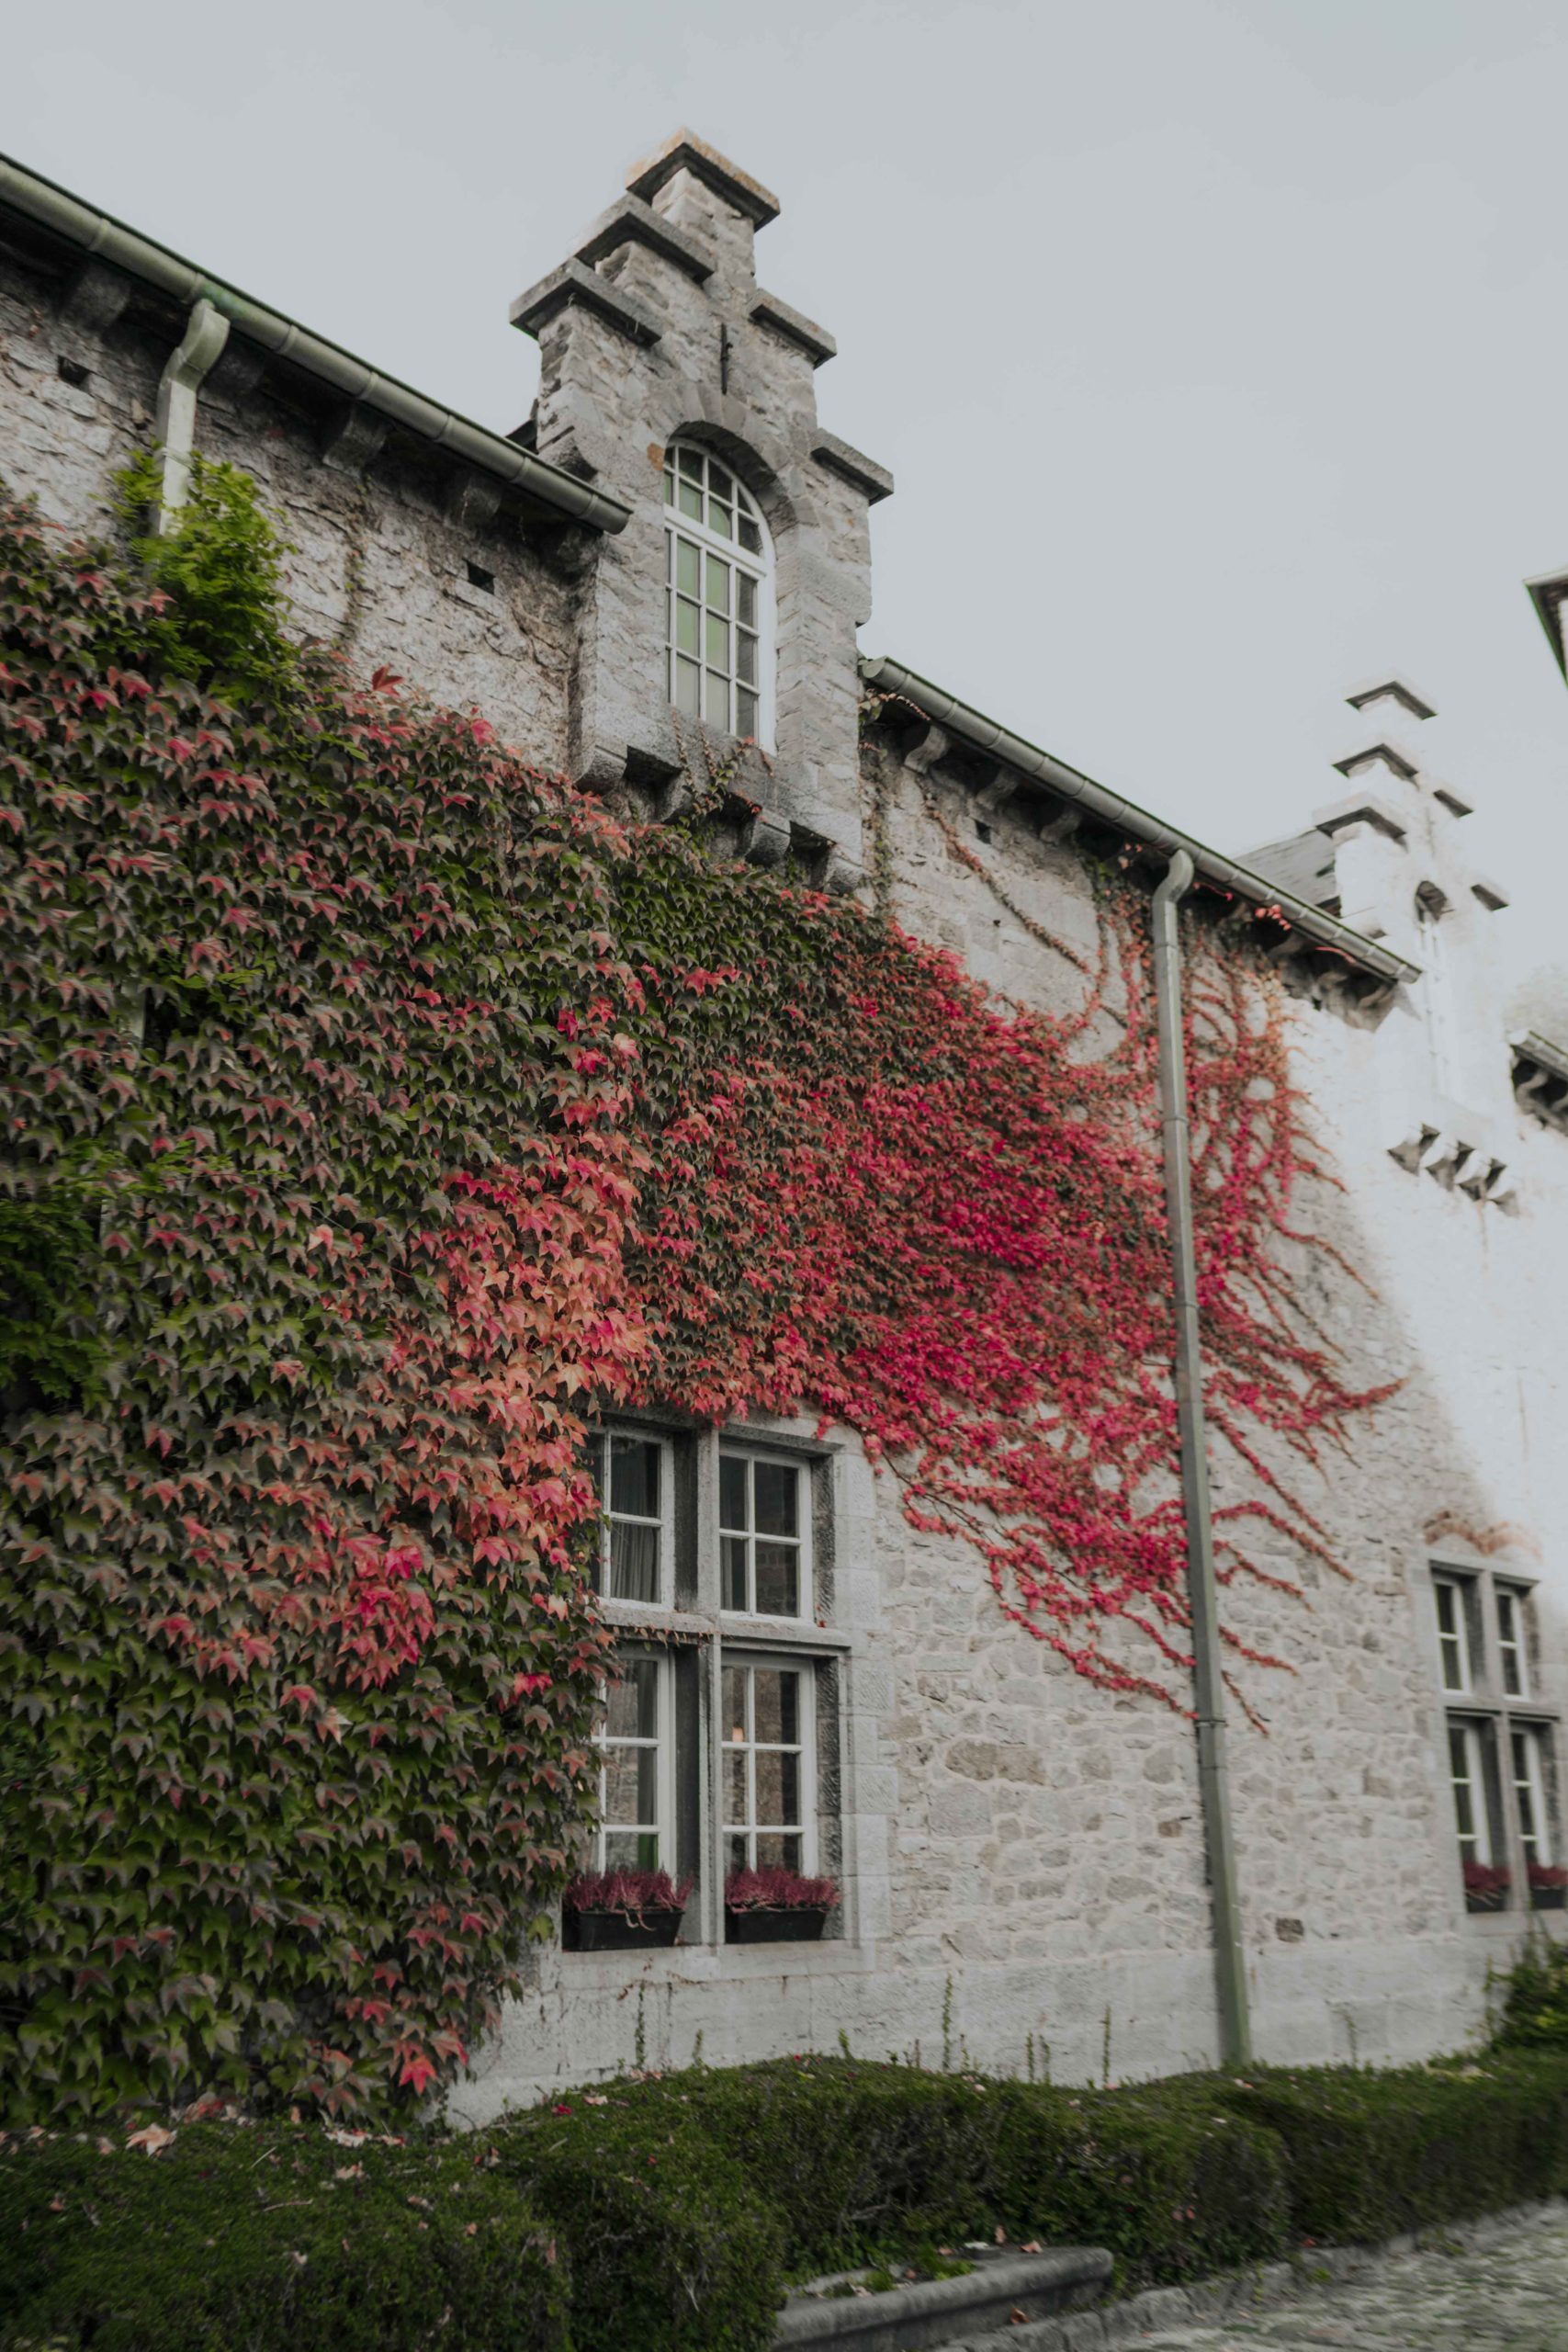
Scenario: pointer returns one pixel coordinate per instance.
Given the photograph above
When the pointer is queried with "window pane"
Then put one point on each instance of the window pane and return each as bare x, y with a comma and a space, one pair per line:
778, 1704
692, 500
745, 711
734, 1702
627, 1850
736, 1850
716, 644
688, 568
777, 1852
716, 709
745, 658
746, 599
631, 1705
718, 519
733, 1511
685, 626
751, 537
631, 1787
735, 1785
719, 483
778, 1789
634, 1477
778, 1488
634, 1561
691, 462
734, 1593
668, 487
717, 576
688, 688
778, 1579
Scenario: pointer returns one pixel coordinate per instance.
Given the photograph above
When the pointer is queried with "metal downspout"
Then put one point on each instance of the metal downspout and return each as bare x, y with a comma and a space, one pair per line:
198, 353
1230, 1960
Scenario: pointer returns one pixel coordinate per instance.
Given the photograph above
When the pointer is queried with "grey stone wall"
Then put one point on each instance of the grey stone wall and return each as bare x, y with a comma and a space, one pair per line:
379, 547
1022, 1860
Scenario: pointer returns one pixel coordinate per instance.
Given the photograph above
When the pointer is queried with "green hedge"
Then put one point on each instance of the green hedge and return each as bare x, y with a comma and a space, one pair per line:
1535, 2007
666, 2244
1371, 2154
670, 2214
245, 2240
859, 2160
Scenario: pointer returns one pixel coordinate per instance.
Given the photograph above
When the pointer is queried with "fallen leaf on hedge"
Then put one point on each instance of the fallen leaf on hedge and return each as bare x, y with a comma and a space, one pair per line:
151, 2137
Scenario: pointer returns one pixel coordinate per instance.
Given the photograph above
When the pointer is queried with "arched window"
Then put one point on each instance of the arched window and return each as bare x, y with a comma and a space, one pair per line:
719, 600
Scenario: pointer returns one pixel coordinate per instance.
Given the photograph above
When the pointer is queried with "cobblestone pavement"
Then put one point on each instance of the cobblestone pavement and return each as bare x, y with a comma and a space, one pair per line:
1507, 2293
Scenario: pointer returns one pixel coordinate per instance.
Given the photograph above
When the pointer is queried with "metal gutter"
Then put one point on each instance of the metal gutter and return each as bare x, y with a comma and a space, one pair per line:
109, 240
1203, 1592
972, 727
207, 333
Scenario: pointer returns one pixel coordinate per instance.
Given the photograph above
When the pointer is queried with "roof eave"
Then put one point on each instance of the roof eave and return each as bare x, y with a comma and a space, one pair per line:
103, 238
1072, 786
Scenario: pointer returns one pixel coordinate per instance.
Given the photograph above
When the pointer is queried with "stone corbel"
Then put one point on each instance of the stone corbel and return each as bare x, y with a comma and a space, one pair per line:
355, 440
1059, 824
472, 502
929, 750
993, 795
95, 301
768, 839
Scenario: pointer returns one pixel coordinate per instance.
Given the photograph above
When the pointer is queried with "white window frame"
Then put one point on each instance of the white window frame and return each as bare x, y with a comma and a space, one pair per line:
805, 1610
804, 1669
1531, 1786
664, 1745
1512, 1609
1474, 1780
756, 566
1457, 1637
604, 1435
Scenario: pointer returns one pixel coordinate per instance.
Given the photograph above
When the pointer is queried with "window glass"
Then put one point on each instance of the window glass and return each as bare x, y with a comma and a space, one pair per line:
1470, 1798
632, 1776
1511, 1656
766, 1768
714, 618
1528, 1749
1453, 1640
763, 1567
628, 1477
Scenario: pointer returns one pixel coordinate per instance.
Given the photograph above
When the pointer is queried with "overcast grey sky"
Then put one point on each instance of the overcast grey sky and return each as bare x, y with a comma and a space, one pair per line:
1217, 345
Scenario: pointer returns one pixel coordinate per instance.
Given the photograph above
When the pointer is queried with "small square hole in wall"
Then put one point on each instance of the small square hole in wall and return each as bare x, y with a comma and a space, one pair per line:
982, 829
73, 372
479, 577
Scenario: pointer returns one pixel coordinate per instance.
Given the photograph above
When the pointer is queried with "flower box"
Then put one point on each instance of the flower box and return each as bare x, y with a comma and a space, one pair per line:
1487, 1886
621, 1910
776, 1906
619, 1930
758, 1927
1548, 1899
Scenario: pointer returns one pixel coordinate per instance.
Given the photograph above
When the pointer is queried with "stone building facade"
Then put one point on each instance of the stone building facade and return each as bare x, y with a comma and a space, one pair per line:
673, 554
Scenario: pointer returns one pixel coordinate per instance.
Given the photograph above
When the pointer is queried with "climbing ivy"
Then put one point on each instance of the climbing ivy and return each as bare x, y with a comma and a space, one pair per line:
377, 1109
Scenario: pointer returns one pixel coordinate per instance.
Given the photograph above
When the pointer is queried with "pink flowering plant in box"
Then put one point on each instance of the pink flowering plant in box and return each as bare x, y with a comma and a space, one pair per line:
631, 1891
1548, 1878
778, 1890
1487, 1882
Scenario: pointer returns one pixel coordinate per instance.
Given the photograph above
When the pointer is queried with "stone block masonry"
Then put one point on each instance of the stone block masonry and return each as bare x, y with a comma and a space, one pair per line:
1022, 1857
